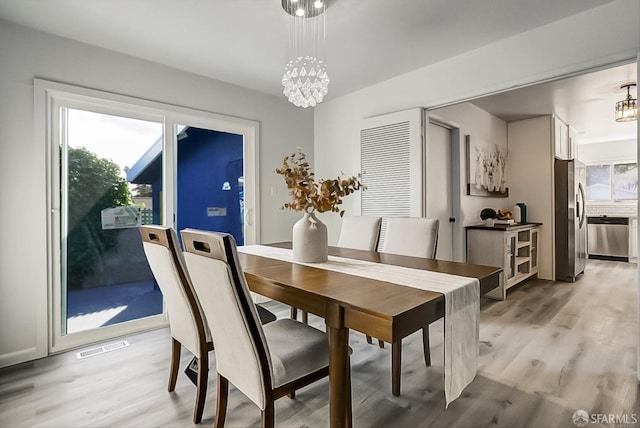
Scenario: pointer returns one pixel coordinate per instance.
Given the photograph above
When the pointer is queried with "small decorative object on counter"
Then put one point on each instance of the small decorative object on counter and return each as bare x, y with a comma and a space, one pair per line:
516, 213
488, 215
523, 212
503, 217
504, 214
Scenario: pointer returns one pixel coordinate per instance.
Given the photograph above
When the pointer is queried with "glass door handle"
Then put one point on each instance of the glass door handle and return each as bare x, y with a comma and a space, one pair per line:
247, 217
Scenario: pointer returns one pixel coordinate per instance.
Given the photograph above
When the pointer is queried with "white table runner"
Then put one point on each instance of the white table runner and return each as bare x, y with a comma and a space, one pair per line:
462, 307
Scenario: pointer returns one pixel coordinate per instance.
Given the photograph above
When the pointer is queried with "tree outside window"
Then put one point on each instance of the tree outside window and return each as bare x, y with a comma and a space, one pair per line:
625, 181
94, 184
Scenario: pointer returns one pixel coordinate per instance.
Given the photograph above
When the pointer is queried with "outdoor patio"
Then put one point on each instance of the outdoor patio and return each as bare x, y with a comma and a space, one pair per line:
102, 306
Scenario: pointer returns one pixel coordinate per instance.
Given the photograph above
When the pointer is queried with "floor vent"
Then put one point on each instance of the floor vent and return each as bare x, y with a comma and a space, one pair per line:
102, 349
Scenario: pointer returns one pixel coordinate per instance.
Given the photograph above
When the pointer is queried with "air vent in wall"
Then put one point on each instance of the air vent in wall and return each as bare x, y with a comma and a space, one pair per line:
102, 349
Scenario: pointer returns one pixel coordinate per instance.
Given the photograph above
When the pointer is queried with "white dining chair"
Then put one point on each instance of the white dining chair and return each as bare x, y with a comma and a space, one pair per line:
263, 362
187, 321
411, 236
414, 237
360, 232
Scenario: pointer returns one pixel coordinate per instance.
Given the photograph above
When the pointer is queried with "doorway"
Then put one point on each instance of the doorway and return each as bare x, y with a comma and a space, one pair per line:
103, 186
439, 186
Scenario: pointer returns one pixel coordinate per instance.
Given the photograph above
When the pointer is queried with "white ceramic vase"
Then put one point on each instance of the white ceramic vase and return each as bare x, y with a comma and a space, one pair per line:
516, 213
310, 240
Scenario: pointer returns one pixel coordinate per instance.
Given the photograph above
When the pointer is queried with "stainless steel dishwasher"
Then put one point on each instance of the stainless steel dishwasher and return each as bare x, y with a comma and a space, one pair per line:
608, 238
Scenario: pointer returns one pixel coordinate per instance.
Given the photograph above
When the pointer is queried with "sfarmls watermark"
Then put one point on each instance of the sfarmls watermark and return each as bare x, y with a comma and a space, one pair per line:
581, 418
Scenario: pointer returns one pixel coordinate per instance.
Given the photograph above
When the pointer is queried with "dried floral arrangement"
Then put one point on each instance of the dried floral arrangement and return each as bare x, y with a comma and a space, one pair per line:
309, 195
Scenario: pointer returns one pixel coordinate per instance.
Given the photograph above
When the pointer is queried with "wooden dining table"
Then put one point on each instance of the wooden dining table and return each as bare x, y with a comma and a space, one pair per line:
380, 309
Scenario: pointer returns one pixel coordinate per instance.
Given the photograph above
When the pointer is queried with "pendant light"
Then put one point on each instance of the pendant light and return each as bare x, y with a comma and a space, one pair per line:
305, 79
627, 109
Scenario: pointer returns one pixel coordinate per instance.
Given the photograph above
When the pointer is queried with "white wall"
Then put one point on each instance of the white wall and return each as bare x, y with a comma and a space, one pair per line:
531, 180
479, 124
26, 54
600, 36
609, 151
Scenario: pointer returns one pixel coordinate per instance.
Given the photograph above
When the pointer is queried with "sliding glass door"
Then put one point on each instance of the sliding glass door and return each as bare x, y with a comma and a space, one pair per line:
116, 163
103, 284
105, 278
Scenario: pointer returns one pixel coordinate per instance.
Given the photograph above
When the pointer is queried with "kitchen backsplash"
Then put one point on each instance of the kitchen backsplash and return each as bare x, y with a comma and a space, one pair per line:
612, 209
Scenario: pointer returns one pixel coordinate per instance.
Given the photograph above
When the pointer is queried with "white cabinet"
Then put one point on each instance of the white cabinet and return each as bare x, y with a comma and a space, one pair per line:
512, 248
573, 140
561, 139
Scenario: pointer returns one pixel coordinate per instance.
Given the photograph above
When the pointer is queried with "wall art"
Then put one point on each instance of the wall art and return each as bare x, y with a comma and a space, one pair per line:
486, 169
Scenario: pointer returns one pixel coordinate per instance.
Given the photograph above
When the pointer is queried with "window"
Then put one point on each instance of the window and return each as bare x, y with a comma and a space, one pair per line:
625, 181
154, 174
598, 183
612, 182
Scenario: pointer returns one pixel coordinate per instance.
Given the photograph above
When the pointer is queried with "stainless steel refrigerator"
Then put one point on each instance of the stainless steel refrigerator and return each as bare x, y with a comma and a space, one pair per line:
570, 219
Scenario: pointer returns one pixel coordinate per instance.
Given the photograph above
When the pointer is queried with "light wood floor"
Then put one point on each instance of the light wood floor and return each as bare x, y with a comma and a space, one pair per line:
549, 350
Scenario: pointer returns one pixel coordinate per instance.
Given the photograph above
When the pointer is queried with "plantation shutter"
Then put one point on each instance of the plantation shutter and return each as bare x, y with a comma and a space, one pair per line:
392, 166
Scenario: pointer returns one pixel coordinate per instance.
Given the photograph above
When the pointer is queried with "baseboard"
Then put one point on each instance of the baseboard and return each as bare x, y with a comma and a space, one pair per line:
17, 357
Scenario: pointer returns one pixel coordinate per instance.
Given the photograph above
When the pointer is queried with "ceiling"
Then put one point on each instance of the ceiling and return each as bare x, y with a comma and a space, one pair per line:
586, 102
244, 42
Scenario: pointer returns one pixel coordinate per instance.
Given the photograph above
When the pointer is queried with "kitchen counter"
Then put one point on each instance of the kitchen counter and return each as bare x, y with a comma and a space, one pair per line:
503, 227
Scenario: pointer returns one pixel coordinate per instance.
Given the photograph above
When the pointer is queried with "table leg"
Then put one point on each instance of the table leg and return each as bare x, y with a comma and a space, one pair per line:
396, 367
338, 360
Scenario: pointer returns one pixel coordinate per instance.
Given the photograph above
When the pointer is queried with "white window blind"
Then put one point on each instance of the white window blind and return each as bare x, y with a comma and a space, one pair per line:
391, 165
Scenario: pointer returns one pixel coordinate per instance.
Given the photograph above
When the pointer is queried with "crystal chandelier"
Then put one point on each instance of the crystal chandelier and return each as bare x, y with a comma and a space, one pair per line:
305, 78
627, 109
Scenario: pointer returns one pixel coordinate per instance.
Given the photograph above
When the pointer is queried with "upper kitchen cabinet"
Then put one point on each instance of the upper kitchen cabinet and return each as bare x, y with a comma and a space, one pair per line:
561, 139
573, 140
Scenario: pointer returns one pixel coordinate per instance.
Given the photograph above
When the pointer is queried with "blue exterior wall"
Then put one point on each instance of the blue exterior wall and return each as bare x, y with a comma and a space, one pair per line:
206, 160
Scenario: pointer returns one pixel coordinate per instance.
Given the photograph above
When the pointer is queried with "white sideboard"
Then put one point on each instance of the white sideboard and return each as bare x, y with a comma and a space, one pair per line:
514, 248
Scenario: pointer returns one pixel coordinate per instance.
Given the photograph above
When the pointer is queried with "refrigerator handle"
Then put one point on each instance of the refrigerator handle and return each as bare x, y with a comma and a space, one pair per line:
580, 209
